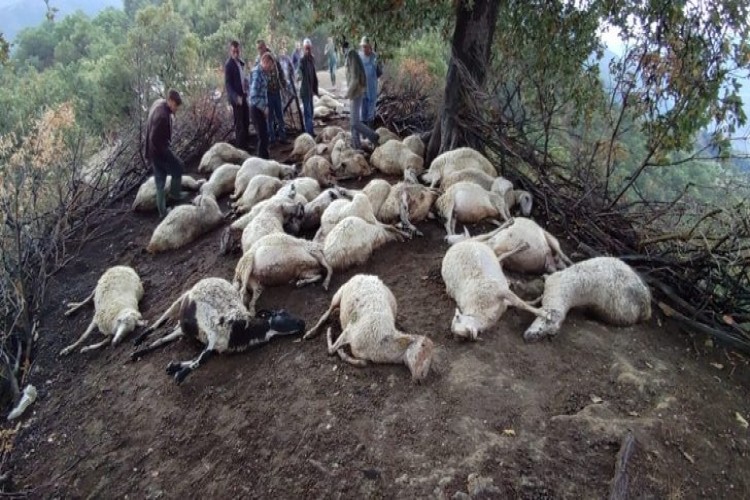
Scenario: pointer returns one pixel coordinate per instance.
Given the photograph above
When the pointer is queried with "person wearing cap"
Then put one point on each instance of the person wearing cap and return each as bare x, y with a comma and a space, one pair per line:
372, 72
158, 140
237, 94
356, 83
308, 84
259, 101
330, 53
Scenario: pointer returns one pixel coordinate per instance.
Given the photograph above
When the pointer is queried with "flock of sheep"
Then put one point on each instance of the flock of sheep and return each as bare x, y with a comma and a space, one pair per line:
274, 202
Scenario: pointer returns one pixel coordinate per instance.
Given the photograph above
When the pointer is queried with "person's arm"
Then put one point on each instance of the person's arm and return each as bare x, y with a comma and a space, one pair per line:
234, 96
160, 135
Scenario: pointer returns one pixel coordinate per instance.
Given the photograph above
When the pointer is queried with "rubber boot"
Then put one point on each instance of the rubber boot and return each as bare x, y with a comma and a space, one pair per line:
175, 192
161, 203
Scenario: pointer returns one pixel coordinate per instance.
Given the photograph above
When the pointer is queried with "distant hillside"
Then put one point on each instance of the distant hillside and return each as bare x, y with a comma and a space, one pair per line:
16, 15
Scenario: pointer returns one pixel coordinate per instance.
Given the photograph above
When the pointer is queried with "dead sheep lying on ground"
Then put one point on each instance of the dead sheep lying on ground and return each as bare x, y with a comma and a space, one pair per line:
474, 175
212, 313
512, 197
458, 159
604, 286
253, 167
328, 133
260, 187
348, 163
467, 202
542, 255
474, 278
219, 154
405, 202
414, 142
279, 259
221, 181
358, 206
271, 220
385, 135
352, 241
116, 314
318, 168
315, 208
394, 157
306, 186
368, 318
302, 144
145, 199
185, 224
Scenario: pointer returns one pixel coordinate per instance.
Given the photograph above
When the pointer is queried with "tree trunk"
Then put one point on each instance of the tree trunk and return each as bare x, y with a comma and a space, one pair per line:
472, 41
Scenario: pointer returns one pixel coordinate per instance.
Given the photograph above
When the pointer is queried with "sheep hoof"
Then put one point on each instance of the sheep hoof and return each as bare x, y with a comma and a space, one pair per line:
173, 368
65, 351
533, 337
180, 375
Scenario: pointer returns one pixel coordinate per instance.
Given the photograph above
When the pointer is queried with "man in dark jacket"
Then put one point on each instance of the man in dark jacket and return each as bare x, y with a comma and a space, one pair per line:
308, 85
158, 139
234, 82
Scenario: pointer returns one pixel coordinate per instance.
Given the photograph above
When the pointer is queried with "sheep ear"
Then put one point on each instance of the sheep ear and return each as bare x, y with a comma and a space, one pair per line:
466, 232
404, 342
222, 320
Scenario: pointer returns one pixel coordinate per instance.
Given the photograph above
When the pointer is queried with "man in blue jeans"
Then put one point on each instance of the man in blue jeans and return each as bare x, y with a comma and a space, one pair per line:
259, 102
276, 81
356, 82
373, 72
158, 139
309, 84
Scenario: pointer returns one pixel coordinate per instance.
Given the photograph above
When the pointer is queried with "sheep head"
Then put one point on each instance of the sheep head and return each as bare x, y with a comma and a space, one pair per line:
418, 357
524, 199
544, 327
465, 326
293, 215
125, 322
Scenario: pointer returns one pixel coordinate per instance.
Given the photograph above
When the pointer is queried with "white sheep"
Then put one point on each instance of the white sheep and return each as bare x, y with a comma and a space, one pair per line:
271, 220
394, 157
368, 319
278, 259
329, 133
352, 241
474, 278
468, 203
221, 181
327, 101
604, 286
253, 167
414, 142
385, 135
358, 206
320, 169
455, 160
145, 198
315, 208
512, 197
348, 163
185, 224
302, 144
219, 154
405, 202
306, 186
322, 112
260, 187
116, 314
323, 150
474, 175
212, 313
542, 255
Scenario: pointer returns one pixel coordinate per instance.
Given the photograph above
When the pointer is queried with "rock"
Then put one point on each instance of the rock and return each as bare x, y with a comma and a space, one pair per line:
371, 474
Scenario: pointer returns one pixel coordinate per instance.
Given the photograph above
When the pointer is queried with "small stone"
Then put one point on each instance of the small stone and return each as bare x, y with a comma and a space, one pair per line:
371, 474
596, 399
718, 366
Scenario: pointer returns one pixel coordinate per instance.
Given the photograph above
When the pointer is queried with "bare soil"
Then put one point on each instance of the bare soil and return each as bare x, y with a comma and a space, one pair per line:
287, 421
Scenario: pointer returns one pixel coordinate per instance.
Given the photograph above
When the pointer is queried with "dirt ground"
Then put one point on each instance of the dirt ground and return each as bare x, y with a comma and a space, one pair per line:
287, 421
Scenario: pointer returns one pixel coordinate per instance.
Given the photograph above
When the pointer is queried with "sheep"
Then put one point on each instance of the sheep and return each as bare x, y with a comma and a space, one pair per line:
368, 319
474, 278
145, 199
605, 286
511, 197
414, 142
261, 187
314, 209
253, 167
271, 220
394, 157
306, 186
323, 150
302, 144
468, 202
219, 154
348, 163
186, 223
212, 312
542, 255
405, 202
221, 181
359, 206
455, 160
352, 241
327, 101
474, 175
278, 259
116, 314
322, 112
329, 133
318, 168
385, 135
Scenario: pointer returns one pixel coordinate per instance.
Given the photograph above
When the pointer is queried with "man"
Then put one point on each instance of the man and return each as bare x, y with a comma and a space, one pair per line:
296, 56
276, 82
164, 162
237, 95
372, 72
308, 84
259, 102
330, 53
356, 84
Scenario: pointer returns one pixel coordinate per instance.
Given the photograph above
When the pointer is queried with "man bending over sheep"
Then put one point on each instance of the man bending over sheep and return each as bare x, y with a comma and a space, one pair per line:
158, 139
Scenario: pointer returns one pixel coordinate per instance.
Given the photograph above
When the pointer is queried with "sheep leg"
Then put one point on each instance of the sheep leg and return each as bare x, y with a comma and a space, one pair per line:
335, 303
520, 248
74, 306
338, 348
78, 342
512, 299
99, 345
171, 337
257, 290
308, 278
180, 370
320, 257
403, 212
555, 246
171, 312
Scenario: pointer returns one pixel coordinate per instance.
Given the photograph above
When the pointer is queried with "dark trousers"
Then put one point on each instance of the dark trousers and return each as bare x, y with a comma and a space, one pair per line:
259, 121
275, 117
168, 164
241, 124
